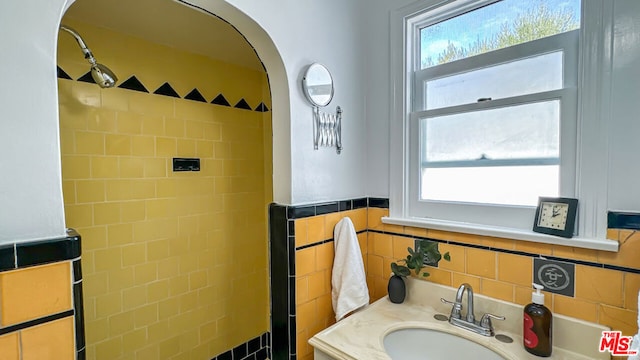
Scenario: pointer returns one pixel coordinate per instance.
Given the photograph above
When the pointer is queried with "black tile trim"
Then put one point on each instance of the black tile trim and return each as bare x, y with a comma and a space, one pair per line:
7, 257
220, 100
623, 220
379, 203
515, 252
195, 95
261, 108
360, 203
252, 349
327, 208
77, 270
302, 211
298, 212
78, 306
35, 322
166, 90
314, 244
48, 251
62, 74
133, 83
242, 104
345, 205
322, 242
87, 78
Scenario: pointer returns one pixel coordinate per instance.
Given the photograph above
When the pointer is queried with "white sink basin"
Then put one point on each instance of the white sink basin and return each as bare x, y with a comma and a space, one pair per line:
423, 344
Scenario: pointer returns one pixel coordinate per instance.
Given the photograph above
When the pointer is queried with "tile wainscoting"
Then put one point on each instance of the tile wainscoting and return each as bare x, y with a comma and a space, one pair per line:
41, 312
606, 284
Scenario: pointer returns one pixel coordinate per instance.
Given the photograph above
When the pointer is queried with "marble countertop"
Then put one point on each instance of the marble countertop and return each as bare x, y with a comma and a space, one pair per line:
360, 336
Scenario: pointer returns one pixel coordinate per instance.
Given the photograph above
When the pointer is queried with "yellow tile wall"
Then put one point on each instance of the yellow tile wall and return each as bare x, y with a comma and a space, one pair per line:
608, 297
314, 310
9, 347
34, 292
175, 264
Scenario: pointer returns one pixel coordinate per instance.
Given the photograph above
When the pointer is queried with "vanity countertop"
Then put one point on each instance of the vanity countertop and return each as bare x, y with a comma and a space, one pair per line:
360, 336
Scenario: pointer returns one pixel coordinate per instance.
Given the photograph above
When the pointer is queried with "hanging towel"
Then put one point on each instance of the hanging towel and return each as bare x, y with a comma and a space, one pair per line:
349, 290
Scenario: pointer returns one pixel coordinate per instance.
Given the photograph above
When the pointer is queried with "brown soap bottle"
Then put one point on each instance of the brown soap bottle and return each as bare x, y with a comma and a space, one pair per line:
537, 325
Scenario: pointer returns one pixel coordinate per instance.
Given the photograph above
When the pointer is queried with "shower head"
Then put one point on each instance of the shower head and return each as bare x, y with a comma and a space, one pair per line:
101, 74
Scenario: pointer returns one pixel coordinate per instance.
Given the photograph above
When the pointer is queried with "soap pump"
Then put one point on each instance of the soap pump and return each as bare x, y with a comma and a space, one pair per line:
537, 325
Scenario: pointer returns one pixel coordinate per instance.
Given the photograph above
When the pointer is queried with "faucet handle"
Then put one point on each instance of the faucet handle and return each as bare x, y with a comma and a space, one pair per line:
456, 307
485, 321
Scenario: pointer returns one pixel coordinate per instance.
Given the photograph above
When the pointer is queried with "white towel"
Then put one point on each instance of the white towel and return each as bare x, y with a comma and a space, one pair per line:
349, 290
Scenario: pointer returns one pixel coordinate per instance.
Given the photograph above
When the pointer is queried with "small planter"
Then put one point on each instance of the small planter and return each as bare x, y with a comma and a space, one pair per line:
397, 289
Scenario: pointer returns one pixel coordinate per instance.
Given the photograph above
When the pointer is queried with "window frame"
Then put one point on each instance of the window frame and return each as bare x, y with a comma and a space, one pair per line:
593, 81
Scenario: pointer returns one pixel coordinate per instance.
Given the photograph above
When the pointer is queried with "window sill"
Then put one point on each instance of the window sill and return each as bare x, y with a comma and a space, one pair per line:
508, 233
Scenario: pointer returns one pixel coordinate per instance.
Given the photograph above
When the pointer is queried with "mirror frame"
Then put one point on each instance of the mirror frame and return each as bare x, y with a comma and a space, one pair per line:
305, 87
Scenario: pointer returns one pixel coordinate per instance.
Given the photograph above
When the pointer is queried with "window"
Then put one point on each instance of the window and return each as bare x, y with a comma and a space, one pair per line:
491, 109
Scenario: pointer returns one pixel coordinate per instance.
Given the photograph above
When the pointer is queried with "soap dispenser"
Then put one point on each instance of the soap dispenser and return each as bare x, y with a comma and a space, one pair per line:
537, 325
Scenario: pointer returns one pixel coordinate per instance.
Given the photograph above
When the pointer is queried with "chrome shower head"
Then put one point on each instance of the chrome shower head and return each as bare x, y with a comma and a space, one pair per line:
102, 75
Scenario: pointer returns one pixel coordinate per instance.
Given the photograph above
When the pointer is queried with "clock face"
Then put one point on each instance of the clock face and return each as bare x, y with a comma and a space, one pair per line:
553, 215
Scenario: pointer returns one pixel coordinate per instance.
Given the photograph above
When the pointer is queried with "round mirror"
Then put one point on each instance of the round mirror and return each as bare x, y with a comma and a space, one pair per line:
317, 85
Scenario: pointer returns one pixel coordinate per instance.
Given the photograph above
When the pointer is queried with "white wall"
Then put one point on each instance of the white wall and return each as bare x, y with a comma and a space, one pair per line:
31, 204
624, 167
291, 35
328, 32
624, 124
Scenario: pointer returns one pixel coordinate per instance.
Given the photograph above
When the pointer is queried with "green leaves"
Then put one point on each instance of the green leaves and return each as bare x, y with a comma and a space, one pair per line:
425, 253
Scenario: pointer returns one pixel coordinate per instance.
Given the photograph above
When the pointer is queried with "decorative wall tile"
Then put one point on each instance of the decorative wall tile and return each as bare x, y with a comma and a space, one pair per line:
220, 100
133, 83
62, 74
87, 78
262, 108
242, 104
166, 90
556, 276
195, 95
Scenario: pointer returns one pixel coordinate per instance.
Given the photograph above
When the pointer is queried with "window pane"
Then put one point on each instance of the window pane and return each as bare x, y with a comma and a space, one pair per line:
496, 26
516, 132
526, 76
517, 185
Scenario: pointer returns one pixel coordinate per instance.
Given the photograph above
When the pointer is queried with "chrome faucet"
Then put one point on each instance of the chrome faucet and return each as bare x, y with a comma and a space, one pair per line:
482, 327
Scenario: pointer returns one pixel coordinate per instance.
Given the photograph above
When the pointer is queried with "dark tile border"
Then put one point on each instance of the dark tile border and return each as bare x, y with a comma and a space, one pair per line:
254, 349
303, 211
35, 322
623, 220
7, 257
515, 252
134, 84
47, 251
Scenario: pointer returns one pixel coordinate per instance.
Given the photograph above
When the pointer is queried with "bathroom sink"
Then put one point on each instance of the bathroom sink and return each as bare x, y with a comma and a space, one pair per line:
423, 344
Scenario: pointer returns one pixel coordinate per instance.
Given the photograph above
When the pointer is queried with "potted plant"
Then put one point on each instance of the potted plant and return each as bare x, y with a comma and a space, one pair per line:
425, 253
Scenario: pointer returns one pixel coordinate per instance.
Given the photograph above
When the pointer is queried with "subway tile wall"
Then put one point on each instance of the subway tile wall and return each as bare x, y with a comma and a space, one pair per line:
162, 275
